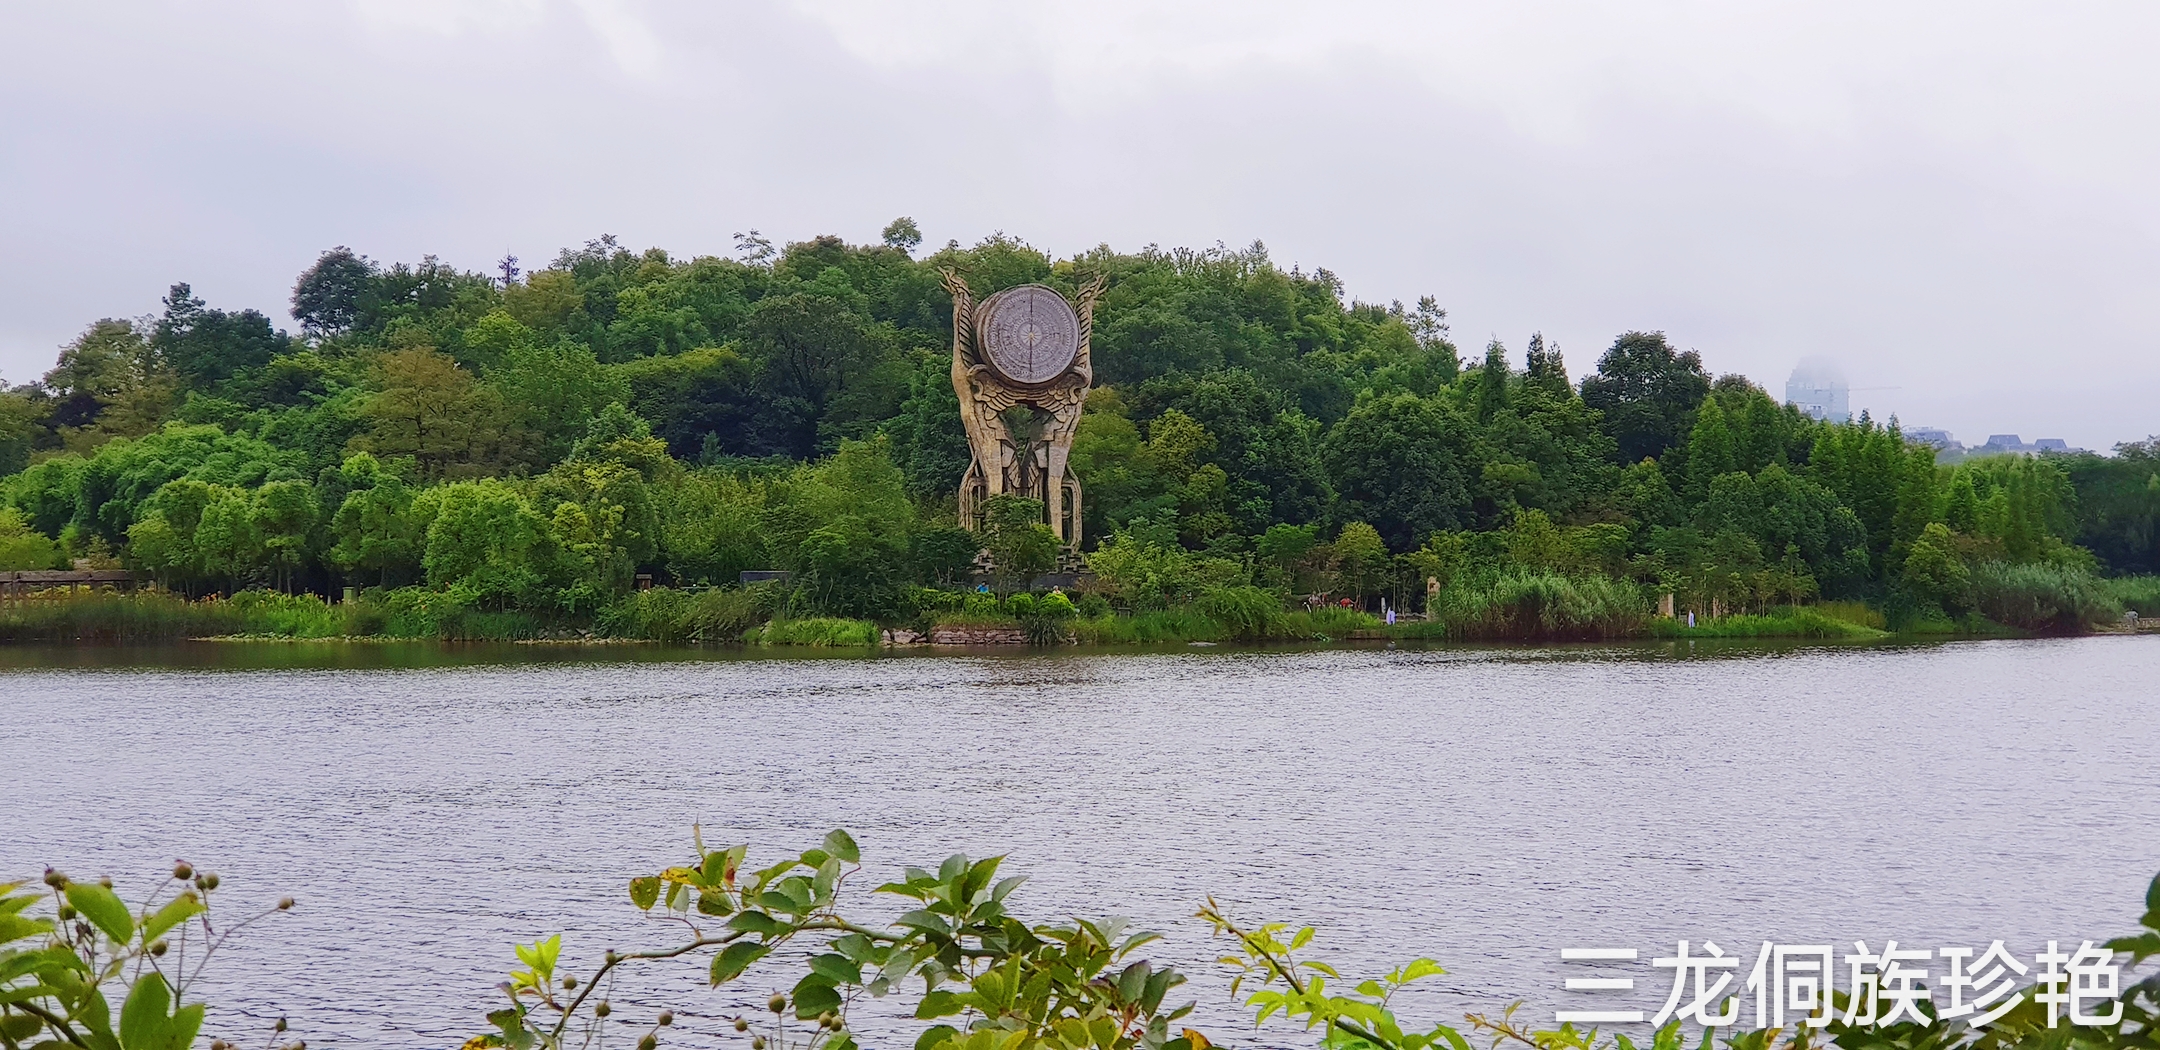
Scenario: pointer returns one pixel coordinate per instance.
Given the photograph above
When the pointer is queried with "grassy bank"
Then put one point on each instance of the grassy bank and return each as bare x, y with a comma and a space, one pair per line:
1784, 622
154, 616
1525, 607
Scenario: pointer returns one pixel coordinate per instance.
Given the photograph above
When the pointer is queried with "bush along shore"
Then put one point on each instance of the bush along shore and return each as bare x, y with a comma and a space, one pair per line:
515, 457
1525, 608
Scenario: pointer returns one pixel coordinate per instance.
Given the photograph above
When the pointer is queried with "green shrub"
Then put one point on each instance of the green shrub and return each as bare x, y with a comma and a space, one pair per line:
2140, 594
289, 615
417, 612
1246, 613
2035, 596
1858, 613
822, 631
936, 599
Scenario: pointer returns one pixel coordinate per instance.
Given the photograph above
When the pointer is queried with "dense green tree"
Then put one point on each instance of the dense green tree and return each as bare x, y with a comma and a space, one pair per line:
1934, 573
1401, 463
1545, 368
205, 347
327, 298
376, 536
1648, 393
1020, 545
484, 540
842, 526
428, 407
1269, 452
903, 234
22, 547
704, 403
1492, 384
928, 440
1710, 451
809, 350
1360, 560
552, 394
2118, 505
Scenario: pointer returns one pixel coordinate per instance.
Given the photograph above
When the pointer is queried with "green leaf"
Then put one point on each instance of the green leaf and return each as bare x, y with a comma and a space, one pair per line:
180, 910
926, 921
838, 969
103, 908
814, 995
541, 955
146, 1017
734, 959
939, 1003
185, 1023
15, 927
1132, 981
2140, 947
1418, 970
715, 867
757, 922
715, 904
856, 947
645, 892
842, 845
935, 1036
952, 867
16, 1028
1006, 886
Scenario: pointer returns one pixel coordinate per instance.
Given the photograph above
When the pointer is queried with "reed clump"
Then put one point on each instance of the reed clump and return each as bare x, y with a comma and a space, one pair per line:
2040, 597
1539, 606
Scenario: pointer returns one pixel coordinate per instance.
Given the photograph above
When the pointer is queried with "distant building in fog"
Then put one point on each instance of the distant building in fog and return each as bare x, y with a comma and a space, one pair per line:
1819, 389
1939, 440
2001, 443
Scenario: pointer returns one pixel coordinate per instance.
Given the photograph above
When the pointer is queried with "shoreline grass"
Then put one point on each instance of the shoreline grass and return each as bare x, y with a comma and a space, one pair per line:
1521, 610
1786, 622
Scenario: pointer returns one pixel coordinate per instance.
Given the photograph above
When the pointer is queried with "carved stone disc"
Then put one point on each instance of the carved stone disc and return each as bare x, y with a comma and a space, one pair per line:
1029, 334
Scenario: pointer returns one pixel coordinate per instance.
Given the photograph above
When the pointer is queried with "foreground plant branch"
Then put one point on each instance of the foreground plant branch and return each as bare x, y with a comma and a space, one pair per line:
988, 980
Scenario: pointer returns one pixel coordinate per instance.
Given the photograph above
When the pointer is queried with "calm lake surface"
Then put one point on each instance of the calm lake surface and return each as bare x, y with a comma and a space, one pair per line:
1485, 807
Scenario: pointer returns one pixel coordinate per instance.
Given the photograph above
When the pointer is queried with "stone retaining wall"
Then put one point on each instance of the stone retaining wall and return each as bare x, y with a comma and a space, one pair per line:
978, 636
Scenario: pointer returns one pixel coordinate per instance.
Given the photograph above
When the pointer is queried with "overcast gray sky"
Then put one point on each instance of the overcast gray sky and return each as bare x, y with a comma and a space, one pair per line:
1955, 201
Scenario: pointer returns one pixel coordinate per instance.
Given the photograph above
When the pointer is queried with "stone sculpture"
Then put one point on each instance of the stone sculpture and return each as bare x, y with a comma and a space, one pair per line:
1021, 369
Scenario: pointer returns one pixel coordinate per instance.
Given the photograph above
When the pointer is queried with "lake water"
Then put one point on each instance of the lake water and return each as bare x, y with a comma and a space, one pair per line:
1486, 807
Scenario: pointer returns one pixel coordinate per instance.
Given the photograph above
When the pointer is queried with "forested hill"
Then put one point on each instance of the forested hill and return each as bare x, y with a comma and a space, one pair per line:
538, 439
